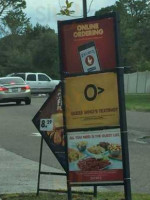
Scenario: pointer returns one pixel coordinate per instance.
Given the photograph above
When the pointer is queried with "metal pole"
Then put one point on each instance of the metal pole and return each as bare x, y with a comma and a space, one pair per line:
40, 161
69, 191
123, 121
84, 8
95, 191
124, 135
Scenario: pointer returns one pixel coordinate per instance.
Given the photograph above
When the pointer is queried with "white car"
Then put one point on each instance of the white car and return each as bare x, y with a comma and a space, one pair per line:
38, 82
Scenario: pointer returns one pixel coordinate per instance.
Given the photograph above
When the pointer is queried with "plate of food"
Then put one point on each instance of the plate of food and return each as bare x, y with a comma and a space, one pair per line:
119, 157
93, 164
105, 145
74, 155
115, 151
81, 146
95, 150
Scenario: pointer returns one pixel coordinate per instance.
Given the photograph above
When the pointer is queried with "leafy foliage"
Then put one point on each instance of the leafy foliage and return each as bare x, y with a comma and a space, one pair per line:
36, 50
23, 47
16, 22
135, 30
9, 14
65, 10
6, 5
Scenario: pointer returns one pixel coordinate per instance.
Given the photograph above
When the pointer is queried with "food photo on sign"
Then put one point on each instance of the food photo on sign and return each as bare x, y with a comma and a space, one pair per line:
51, 111
95, 156
56, 134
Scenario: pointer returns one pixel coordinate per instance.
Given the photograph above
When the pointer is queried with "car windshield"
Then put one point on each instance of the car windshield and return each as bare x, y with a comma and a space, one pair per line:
11, 81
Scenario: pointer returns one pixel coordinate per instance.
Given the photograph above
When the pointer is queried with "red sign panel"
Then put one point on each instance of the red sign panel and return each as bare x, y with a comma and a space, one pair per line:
88, 45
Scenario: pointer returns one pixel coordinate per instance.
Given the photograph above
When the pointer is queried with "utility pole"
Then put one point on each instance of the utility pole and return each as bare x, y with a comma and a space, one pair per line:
84, 8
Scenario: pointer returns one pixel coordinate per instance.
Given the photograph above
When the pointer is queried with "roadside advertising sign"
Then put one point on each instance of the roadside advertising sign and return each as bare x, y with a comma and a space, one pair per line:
49, 122
84, 120
88, 45
91, 101
95, 156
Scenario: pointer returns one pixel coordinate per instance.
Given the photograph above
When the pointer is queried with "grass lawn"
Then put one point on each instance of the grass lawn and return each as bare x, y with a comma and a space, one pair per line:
138, 102
54, 196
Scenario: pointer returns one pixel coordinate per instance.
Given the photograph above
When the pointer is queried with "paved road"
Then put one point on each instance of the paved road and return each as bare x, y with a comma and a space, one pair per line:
17, 131
139, 121
19, 136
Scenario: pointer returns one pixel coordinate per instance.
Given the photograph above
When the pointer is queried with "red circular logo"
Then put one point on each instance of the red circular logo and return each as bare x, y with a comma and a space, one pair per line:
89, 60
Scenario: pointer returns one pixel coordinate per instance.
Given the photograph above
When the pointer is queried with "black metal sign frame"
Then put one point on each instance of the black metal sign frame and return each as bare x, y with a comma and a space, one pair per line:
123, 124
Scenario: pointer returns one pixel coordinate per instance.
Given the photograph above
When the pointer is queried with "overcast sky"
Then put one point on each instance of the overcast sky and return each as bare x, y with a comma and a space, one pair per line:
45, 11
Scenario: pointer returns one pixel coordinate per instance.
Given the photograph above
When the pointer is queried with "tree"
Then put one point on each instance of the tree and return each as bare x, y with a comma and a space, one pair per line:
6, 5
34, 50
24, 47
16, 22
45, 49
34, 32
135, 28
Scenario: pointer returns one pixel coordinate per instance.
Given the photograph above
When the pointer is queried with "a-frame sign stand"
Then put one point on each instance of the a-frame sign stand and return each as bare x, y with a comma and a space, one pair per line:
41, 172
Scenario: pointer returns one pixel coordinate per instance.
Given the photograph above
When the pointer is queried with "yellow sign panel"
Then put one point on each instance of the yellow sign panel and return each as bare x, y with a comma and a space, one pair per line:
91, 101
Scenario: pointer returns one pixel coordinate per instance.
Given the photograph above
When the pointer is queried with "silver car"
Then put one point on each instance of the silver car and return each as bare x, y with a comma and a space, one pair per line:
14, 89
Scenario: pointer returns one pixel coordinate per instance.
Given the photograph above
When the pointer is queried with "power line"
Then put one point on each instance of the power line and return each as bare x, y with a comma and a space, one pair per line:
90, 6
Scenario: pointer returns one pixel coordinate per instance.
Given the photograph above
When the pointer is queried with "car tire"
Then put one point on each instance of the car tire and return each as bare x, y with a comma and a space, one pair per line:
18, 102
28, 101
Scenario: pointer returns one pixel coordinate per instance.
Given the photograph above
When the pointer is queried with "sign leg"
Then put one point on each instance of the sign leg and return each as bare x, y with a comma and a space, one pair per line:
127, 189
40, 160
69, 192
95, 191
